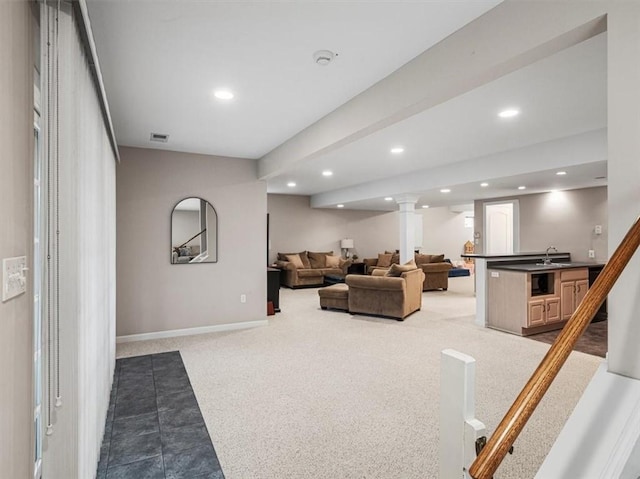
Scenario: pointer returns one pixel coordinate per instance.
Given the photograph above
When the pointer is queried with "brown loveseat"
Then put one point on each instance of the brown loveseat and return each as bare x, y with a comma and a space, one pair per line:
309, 268
435, 268
395, 297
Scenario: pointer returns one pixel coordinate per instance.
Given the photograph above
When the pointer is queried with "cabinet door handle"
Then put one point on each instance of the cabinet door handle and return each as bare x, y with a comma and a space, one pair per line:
578, 286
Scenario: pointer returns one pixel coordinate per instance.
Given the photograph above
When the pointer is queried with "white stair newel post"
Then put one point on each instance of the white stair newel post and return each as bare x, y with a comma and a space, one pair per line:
459, 429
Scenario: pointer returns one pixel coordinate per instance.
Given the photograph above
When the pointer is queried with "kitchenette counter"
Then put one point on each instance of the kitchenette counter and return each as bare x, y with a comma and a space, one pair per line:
537, 267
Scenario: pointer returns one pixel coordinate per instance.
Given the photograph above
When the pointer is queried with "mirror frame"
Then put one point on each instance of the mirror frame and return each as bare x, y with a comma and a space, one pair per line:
208, 239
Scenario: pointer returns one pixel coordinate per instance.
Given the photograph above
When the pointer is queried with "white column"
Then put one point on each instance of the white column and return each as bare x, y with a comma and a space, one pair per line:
407, 205
623, 37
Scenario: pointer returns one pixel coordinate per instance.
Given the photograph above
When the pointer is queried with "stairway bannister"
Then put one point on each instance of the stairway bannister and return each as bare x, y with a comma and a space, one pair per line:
491, 456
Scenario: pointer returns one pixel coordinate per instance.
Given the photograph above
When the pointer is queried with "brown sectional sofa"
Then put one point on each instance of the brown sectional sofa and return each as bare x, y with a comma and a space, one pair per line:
308, 268
435, 268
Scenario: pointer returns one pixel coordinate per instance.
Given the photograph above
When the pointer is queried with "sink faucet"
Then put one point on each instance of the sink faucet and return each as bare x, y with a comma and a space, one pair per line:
547, 260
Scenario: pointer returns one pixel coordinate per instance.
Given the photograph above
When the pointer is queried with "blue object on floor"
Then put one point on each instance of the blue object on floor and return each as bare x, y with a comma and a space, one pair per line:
455, 272
333, 279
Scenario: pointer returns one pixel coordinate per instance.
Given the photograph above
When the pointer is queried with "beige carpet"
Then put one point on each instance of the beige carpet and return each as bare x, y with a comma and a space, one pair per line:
323, 394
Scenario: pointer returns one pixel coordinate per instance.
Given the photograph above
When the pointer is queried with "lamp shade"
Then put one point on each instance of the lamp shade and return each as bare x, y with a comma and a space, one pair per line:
346, 243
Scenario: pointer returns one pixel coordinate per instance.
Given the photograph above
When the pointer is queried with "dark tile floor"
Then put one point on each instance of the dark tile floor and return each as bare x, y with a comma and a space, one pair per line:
154, 427
593, 340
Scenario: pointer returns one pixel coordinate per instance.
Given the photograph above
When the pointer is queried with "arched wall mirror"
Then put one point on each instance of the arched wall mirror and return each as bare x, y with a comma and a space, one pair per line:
194, 232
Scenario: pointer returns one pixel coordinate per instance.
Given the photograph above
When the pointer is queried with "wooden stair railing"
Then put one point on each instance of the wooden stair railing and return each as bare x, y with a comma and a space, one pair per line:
492, 454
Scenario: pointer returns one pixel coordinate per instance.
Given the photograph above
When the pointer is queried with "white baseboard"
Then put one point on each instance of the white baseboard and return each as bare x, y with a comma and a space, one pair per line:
191, 331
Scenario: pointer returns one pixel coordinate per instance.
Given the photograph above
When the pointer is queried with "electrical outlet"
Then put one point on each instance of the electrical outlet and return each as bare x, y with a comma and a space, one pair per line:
14, 279
598, 229
243, 298
592, 253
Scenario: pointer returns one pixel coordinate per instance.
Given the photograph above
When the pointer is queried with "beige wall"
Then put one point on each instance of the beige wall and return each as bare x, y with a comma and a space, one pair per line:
444, 232
16, 139
295, 226
152, 294
564, 219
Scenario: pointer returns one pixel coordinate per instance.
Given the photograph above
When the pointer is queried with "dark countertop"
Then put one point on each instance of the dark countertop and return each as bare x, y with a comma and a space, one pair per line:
534, 268
539, 254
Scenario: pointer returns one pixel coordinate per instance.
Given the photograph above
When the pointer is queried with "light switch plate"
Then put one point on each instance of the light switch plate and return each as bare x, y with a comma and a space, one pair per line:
14, 278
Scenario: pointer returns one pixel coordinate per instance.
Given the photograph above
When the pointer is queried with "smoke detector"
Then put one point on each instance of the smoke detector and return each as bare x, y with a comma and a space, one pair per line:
324, 57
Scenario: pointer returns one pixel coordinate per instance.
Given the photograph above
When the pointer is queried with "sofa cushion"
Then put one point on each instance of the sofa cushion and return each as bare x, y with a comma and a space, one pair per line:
397, 270
384, 260
303, 257
437, 258
422, 258
318, 260
295, 260
332, 261
310, 273
329, 271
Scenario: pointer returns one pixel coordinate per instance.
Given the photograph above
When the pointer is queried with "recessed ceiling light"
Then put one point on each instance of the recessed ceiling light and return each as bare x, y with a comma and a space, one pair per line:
291, 184
223, 94
522, 187
388, 198
327, 173
445, 190
339, 206
561, 173
509, 113
484, 185
425, 206
397, 150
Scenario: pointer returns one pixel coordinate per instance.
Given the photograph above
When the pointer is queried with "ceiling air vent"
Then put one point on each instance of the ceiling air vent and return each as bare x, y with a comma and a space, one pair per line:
161, 137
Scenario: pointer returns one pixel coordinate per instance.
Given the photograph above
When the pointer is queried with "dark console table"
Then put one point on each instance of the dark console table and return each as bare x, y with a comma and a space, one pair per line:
273, 288
356, 268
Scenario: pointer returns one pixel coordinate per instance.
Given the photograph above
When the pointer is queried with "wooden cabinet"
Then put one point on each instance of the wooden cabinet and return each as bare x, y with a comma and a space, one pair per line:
574, 284
543, 311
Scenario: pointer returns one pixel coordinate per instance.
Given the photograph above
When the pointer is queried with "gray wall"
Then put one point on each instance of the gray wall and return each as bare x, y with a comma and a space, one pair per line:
16, 138
564, 219
444, 232
152, 294
294, 226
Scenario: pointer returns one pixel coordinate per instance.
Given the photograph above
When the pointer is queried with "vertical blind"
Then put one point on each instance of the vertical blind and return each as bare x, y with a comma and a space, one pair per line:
80, 297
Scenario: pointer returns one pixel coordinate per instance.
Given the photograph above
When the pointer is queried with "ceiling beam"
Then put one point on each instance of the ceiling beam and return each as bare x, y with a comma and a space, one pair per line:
507, 38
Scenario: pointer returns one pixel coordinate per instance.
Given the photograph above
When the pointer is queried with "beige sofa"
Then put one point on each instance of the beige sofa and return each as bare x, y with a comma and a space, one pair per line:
377, 294
435, 268
308, 268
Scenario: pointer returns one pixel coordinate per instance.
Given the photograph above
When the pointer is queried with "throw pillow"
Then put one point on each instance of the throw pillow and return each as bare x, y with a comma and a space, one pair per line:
437, 258
397, 270
295, 259
423, 258
395, 258
332, 261
305, 259
384, 260
318, 260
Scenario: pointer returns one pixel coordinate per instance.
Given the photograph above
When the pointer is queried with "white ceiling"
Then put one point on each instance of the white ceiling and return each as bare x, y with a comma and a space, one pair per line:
161, 62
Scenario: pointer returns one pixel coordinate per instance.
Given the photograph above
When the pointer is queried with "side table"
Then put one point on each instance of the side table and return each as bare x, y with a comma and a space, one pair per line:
356, 268
273, 288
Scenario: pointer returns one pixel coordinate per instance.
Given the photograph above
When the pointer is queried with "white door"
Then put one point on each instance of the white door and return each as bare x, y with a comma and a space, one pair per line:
500, 228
